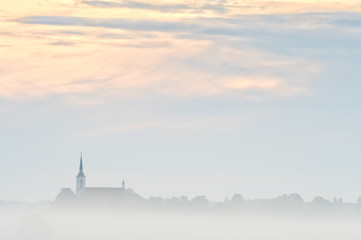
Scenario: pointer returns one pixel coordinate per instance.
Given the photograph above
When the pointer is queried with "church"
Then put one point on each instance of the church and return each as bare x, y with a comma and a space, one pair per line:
101, 195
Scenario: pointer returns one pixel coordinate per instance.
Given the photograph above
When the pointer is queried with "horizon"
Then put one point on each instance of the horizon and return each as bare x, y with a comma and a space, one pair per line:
225, 199
179, 98
249, 108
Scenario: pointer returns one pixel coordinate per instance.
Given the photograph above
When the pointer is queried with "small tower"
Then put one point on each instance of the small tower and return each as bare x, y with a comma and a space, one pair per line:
80, 180
123, 185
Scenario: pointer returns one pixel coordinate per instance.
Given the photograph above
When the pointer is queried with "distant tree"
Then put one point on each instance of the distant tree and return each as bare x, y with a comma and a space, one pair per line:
295, 197
320, 201
337, 201
66, 197
291, 203
172, 200
156, 201
200, 201
237, 199
290, 199
184, 199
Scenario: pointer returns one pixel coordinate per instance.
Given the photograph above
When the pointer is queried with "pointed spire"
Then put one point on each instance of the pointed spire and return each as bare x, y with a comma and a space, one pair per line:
81, 162
81, 174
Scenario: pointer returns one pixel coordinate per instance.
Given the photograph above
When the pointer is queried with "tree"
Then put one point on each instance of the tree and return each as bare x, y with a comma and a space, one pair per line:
237, 199
200, 201
184, 199
320, 201
66, 197
291, 198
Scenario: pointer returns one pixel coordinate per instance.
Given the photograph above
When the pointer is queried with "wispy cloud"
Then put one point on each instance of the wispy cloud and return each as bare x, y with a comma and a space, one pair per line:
120, 23
70, 32
61, 43
241, 26
162, 7
253, 55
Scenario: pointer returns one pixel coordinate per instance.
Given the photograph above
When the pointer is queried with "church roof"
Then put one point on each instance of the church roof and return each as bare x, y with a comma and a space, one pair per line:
81, 162
81, 174
103, 193
104, 189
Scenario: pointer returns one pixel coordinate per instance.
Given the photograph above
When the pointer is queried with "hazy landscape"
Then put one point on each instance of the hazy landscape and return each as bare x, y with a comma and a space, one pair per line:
180, 119
276, 220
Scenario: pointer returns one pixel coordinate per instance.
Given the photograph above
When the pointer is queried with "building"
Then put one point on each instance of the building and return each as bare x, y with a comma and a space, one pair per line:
96, 196
80, 180
95, 193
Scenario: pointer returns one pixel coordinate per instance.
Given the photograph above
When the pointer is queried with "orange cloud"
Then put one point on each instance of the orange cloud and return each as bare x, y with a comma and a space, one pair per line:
40, 60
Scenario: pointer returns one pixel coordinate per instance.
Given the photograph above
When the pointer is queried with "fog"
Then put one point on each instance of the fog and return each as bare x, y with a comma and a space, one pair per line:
49, 223
108, 213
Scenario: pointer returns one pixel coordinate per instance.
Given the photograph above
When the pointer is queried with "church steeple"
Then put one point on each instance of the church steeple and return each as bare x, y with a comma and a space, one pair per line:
80, 179
81, 162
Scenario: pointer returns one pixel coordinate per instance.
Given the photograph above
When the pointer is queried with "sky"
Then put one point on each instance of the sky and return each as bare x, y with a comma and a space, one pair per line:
212, 98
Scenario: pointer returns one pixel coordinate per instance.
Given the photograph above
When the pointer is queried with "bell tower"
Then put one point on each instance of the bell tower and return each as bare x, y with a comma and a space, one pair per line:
80, 180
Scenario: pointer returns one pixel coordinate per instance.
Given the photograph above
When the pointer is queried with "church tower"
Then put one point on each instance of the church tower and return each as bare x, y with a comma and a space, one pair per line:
80, 180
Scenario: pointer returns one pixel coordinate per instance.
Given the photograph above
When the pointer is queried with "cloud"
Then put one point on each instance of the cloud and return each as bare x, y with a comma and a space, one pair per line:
61, 43
240, 26
160, 62
139, 73
162, 7
281, 34
128, 24
229, 7
348, 20
141, 5
69, 32
253, 56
